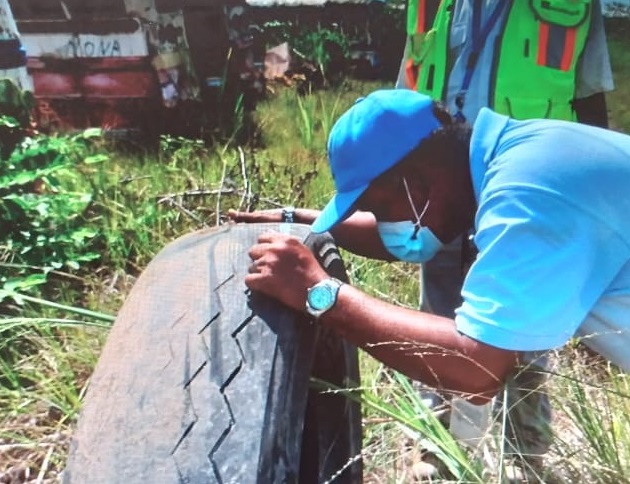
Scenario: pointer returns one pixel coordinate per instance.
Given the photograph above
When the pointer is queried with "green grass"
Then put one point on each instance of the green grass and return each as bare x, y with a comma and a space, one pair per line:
142, 201
619, 100
45, 366
52, 334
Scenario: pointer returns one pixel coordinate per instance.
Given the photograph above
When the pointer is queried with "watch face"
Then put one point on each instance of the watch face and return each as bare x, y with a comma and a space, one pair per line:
320, 297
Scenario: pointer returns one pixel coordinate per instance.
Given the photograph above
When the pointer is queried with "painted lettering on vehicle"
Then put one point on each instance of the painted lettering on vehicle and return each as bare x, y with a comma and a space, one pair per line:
92, 48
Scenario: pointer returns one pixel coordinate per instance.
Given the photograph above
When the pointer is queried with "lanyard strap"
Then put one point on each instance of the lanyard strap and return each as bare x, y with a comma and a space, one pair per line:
479, 37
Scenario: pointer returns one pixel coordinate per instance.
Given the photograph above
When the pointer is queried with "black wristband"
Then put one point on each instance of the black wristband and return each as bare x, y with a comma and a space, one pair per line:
288, 215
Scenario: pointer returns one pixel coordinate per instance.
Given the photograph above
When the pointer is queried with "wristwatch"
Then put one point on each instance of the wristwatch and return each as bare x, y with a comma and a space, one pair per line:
288, 214
322, 296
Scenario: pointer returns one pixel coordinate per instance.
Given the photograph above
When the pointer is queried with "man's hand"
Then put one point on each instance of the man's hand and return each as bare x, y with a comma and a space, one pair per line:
283, 268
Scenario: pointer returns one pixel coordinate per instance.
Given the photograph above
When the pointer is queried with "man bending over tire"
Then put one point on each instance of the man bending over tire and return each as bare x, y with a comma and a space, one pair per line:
546, 201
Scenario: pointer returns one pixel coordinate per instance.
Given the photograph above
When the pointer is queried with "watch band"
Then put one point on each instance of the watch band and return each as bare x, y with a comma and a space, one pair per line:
288, 215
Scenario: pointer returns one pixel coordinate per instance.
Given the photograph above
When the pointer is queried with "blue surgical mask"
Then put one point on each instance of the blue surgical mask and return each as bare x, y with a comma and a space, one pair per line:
407, 240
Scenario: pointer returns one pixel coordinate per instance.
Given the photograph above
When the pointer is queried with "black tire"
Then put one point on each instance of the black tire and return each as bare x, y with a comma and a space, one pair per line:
201, 381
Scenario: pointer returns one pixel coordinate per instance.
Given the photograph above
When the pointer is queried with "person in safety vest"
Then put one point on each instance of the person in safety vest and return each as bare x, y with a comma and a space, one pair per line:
548, 204
527, 60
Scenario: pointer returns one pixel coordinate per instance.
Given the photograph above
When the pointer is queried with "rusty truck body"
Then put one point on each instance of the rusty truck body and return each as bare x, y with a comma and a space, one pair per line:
180, 67
147, 66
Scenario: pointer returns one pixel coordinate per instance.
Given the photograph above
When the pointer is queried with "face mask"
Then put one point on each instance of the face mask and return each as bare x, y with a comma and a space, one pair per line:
409, 241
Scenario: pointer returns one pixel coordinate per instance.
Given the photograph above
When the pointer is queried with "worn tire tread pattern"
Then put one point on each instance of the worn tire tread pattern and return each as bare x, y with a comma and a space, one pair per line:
202, 382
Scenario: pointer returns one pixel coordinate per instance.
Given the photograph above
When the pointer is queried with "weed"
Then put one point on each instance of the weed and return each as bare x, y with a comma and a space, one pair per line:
41, 212
325, 46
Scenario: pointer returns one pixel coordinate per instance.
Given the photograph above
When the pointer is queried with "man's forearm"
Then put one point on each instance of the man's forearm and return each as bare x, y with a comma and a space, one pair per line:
423, 346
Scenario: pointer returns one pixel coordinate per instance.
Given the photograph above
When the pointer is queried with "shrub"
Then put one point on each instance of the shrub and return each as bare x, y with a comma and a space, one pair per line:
41, 214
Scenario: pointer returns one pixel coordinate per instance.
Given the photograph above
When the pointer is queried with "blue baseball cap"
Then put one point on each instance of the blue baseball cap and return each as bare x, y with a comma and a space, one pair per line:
370, 138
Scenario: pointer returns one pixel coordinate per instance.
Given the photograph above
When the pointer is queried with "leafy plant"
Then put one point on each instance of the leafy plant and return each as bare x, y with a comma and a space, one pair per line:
15, 109
41, 213
306, 122
323, 46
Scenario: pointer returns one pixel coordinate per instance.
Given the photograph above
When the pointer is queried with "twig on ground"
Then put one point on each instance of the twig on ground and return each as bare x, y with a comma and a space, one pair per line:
128, 179
272, 203
44, 468
247, 194
183, 209
163, 198
349, 463
218, 207
23, 446
198, 193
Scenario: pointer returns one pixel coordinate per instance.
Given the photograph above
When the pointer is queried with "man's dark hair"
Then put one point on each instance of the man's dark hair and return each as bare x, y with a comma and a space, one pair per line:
447, 145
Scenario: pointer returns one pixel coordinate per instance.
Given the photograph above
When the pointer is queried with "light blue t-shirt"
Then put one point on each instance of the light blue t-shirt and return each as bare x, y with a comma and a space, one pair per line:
593, 72
553, 233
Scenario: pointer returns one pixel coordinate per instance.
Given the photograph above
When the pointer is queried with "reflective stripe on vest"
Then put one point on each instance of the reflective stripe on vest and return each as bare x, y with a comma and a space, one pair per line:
421, 17
420, 70
556, 46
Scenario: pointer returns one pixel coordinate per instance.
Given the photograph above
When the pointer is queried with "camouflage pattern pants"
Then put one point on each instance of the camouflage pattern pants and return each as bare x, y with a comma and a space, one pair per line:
523, 404
524, 407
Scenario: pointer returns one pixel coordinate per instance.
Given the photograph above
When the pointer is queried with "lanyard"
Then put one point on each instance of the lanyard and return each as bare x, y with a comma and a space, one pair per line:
479, 37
